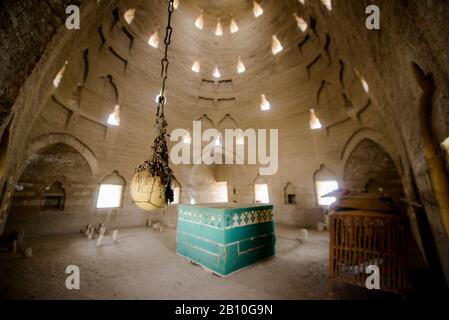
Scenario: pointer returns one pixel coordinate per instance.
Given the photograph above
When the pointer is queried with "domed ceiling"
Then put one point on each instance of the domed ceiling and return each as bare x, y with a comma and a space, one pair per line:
121, 67
287, 59
278, 69
276, 65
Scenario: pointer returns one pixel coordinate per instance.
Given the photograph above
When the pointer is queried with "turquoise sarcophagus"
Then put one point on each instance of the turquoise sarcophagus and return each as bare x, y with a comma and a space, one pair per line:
224, 238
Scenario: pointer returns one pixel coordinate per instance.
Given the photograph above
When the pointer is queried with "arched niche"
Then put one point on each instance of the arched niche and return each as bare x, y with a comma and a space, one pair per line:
54, 196
289, 194
44, 142
55, 179
202, 175
198, 180
373, 135
206, 185
56, 162
369, 167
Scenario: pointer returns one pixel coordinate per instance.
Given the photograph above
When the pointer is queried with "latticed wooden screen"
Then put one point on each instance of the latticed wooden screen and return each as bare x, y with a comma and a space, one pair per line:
359, 239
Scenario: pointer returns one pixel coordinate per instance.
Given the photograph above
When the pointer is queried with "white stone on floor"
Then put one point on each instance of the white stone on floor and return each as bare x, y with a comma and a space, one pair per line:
143, 264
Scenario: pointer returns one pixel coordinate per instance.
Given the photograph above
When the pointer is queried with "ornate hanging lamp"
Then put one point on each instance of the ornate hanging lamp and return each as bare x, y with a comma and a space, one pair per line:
151, 187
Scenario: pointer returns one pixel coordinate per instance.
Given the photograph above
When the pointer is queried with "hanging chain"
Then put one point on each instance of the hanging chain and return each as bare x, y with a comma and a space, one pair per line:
165, 63
158, 165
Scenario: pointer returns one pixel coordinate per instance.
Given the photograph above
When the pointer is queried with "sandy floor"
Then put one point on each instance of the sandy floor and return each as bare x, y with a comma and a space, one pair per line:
143, 264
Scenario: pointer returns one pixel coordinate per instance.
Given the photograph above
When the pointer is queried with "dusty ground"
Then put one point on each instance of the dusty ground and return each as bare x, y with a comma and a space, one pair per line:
143, 265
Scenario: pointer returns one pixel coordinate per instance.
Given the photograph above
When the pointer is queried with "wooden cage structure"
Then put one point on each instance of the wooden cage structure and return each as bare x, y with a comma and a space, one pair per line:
360, 238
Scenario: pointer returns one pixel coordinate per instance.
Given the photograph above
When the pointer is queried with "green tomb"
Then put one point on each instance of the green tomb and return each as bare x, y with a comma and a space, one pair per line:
225, 238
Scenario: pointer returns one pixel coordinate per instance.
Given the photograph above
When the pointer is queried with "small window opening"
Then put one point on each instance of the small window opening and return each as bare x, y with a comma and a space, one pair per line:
196, 67
257, 9
129, 16
216, 72
261, 193
54, 197
265, 105
233, 27
111, 192
315, 123
114, 118
199, 22
154, 39
276, 46
241, 68
445, 144
290, 194
323, 188
327, 4
60, 75
220, 192
219, 29
302, 24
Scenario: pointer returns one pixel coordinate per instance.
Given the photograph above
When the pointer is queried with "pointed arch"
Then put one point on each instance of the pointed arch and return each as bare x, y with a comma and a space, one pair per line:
48, 140
376, 137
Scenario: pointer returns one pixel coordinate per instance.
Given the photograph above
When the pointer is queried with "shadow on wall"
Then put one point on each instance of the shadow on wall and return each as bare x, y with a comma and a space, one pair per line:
4, 143
54, 194
434, 227
57, 194
370, 168
5, 195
